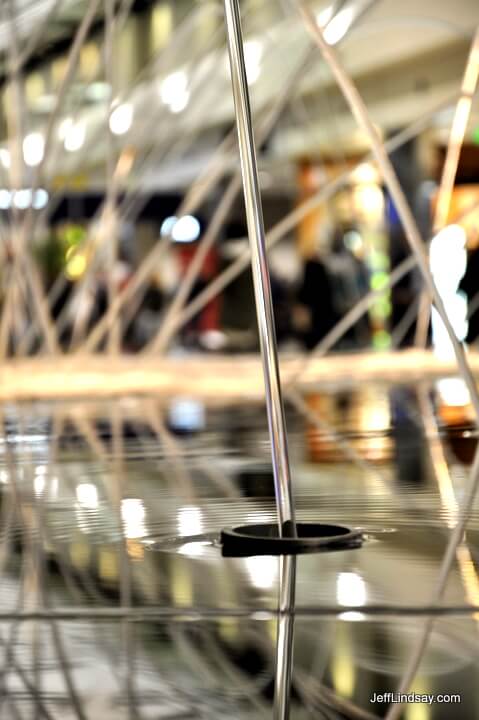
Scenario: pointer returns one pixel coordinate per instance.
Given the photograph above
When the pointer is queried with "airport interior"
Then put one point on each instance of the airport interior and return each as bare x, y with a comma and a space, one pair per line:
239, 359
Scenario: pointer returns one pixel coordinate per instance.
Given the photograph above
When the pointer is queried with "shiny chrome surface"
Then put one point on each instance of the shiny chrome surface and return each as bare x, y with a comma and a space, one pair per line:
262, 287
285, 637
115, 599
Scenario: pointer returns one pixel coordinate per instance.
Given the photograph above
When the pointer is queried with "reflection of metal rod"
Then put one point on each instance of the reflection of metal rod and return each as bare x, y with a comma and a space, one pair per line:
284, 642
262, 287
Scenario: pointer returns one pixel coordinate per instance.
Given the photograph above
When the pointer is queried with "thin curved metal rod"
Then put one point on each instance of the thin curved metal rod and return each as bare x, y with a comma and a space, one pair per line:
168, 328
356, 312
124, 208
289, 222
28, 225
194, 197
261, 280
449, 171
408, 222
362, 117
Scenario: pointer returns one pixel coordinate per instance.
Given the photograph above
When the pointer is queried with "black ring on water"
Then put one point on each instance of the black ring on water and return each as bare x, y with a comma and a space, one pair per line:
264, 539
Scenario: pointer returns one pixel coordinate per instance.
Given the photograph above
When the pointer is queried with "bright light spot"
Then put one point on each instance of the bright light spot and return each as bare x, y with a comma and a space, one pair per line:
5, 158
262, 570
350, 589
39, 483
448, 258
186, 229
324, 16
4, 477
339, 26
454, 392
53, 490
133, 516
33, 149
352, 616
64, 127
193, 549
76, 266
167, 225
75, 137
41, 470
186, 414
40, 199
174, 91
98, 91
87, 495
190, 521
22, 199
253, 53
365, 173
121, 119
5, 199
448, 261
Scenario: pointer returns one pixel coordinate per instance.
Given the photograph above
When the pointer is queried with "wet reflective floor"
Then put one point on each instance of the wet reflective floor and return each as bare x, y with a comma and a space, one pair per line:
116, 600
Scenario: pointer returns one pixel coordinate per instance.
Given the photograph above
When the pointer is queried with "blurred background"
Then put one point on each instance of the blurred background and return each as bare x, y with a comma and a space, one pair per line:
144, 114
132, 419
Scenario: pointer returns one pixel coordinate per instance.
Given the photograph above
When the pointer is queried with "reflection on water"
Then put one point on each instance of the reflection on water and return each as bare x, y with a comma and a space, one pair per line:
115, 599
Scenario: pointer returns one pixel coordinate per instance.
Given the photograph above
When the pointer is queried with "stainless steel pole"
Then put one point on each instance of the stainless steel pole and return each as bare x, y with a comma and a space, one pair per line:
262, 287
285, 637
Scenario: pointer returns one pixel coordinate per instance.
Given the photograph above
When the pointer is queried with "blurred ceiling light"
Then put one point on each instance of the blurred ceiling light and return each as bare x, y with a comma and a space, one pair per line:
121, 119
75, 137
338, 26
98, 91
190, 521
5, 199
5, 158
174, 91
167, 225
253, 54
87, 495
182, 230
22, 199
186, 229
33, 149
40, 199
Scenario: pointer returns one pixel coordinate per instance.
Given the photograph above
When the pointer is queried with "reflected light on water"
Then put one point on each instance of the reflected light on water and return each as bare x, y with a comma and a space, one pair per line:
87, 495
133, 516
262, 570
190, 521
351, 590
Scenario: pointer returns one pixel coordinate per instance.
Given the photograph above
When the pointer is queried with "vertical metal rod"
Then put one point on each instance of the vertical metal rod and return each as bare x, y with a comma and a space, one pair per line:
285, 638
262, 287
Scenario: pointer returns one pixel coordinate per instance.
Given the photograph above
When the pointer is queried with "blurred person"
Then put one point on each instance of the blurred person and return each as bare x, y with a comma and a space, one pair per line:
350, 283
314, 313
